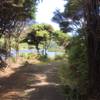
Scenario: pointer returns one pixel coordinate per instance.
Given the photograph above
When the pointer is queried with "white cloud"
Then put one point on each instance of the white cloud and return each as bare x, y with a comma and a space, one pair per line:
45, 11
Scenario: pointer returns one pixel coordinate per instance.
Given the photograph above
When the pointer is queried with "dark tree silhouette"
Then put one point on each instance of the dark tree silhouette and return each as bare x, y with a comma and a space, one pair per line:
12, 15
92, 14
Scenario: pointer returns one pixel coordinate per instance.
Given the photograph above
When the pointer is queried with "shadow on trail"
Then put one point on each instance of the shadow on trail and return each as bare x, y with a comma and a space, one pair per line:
31, 82
47, 92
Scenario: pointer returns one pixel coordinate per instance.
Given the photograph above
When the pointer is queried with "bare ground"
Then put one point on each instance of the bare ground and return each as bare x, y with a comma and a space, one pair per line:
31, 81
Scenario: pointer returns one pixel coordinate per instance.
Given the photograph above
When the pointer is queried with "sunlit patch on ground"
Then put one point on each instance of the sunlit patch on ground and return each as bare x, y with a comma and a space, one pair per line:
29, 90
42, 78
11, 69
13, 93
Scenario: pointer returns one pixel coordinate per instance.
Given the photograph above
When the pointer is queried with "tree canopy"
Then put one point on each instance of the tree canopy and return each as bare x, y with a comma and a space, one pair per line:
13, 11
40, 34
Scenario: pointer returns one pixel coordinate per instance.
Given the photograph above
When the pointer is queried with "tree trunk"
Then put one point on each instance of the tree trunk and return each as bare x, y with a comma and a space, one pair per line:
93, 26
94, 68
37, 48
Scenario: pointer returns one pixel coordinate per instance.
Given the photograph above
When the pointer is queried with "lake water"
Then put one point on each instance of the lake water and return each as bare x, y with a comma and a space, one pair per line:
50, 54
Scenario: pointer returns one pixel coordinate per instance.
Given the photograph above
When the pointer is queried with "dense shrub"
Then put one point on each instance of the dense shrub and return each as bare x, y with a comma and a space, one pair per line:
29, 55
75, 72
78, 61
61, 57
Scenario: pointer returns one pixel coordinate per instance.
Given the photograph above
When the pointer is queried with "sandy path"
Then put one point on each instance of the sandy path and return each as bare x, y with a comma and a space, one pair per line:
31, 82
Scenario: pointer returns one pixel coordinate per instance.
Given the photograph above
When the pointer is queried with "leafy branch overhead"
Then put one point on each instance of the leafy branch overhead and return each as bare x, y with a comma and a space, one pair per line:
72, 17
15, 10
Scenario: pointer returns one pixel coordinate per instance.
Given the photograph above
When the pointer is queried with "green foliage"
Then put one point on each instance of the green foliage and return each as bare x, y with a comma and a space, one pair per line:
30, 8
28, 55
72, 7
23, 46
13, 15
65, 76
43, 58
72, 19
61, 38
78, 60
60, 57
13, 59
40, 35
12, 12
1, 41
75, 73
42, 30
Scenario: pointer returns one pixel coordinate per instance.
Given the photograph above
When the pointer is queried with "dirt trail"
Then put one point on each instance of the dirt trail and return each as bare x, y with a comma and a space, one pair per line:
31, 82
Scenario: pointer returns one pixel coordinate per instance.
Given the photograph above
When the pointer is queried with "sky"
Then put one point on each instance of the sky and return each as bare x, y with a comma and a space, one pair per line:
45, 11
